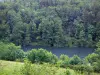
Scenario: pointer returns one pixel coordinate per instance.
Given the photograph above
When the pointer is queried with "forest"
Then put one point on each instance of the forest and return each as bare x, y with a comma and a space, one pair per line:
49, 23
55, 23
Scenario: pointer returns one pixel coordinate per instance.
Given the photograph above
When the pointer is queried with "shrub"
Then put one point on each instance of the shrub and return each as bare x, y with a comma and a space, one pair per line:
27, 68
91, 58
68, 72
64, 61
75, 60
82, 68
36, 69
96, 66
41, 55
94, 59
64, 57
10, 52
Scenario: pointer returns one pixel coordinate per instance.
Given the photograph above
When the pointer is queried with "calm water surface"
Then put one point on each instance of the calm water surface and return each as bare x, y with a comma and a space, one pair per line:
81, 52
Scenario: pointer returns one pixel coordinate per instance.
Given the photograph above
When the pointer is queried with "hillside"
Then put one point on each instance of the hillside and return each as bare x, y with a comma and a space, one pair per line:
55, 23
17, 68
33, 31
14, 68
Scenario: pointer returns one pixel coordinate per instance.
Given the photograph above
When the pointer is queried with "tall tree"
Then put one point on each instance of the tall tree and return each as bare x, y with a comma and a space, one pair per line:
51, 31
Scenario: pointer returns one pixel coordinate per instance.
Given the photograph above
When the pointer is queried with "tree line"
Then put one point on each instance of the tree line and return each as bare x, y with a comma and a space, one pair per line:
50, 22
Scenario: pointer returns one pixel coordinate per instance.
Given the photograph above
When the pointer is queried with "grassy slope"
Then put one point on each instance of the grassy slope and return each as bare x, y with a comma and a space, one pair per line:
8, 67
14, 68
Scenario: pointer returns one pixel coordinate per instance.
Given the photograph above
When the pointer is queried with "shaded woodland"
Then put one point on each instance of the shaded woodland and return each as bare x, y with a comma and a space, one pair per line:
59, 23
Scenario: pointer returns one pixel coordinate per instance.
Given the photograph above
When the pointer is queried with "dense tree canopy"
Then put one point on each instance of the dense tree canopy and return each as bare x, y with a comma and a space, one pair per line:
50, 22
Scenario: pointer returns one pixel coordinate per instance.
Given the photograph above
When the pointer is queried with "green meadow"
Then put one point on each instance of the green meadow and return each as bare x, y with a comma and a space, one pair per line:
17, 68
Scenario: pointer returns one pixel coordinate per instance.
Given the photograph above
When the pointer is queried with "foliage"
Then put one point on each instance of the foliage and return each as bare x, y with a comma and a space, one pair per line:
17, 68
51, 31
41, 55
27, 68
63, 61
53, 22
75, 60
8, 51
83, 68
72, 23
94, 59
91, 58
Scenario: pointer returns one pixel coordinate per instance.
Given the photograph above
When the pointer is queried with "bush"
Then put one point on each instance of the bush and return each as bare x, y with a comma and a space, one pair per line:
82, 68
94, 59
10, 52
64, 61
96, 66
64, 57
41, 55
91, 58
27, 68
75, 60
44, 69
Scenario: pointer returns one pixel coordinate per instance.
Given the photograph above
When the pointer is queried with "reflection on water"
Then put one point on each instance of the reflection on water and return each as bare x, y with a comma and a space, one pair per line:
81, 52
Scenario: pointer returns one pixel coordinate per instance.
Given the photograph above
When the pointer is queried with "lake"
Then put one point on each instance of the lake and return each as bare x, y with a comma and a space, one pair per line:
81, 52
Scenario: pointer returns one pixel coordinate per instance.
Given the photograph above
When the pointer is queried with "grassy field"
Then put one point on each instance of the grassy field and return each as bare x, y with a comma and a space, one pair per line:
9, 68
17, 68
14, 68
